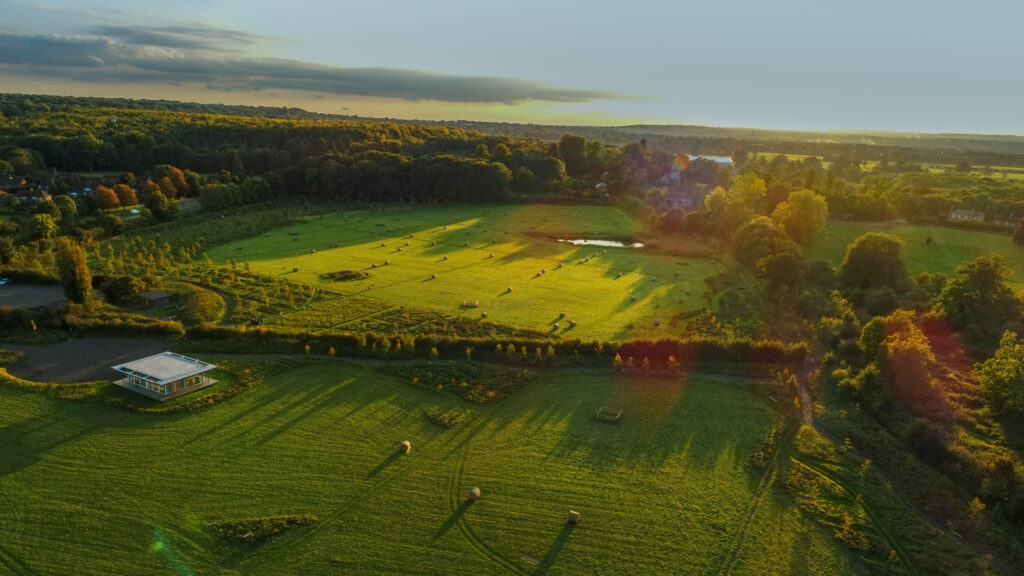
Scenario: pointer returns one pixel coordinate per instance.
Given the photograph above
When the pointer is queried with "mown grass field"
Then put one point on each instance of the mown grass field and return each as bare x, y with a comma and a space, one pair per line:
90, 489
478, 253
950, 247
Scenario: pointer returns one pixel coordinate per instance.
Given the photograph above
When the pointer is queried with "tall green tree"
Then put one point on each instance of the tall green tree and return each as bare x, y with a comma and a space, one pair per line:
748, 188
1002, 377
44, 225
802, 216
979, 299
1018, 233
72, 266
162, 207
573, 151
874, 260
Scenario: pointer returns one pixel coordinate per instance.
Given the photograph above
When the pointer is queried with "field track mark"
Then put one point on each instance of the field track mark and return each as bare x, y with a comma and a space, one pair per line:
767, 481
455, 501
13, 563
894, 544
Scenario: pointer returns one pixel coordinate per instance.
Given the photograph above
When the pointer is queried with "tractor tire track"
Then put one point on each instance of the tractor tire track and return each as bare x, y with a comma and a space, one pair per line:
767, 481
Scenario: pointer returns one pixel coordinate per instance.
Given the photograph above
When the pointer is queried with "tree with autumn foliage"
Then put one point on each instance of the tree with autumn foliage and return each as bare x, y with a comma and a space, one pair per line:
105, 198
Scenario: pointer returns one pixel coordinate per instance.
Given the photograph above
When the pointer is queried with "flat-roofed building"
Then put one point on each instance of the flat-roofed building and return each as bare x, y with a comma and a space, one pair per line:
165, 375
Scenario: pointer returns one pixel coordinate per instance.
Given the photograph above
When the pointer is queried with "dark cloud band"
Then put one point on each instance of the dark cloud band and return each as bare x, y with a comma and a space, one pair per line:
180, 55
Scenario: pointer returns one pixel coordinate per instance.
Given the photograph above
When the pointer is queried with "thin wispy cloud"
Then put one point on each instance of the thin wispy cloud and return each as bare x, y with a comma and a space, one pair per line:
199, 37
185, 54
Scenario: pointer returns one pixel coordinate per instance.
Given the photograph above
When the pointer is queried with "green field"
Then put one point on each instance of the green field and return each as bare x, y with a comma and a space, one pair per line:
522, 240
90, 489
950, 247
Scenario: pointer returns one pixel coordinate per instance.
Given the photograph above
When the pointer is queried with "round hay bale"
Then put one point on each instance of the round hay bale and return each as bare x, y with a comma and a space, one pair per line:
483, 314
406, 243
433, 276
433, 243
561, 314
444, 258
555, 326
386, 262
474, 493
574, 517
657, 322
399, 248
406, 447
373, 265
312, 251
509, 289
572, 323
295, 269
382, 244
619, 275
632, 298
490, 255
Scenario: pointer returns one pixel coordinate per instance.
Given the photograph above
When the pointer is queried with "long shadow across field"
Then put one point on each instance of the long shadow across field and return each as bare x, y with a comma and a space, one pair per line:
556, 548
453, 519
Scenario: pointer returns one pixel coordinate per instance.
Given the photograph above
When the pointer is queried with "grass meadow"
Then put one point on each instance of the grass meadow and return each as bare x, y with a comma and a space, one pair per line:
950, 247
91, 489
440, 258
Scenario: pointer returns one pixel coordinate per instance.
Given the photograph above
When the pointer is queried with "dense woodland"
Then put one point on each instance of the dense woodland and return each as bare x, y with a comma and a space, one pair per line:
927, 371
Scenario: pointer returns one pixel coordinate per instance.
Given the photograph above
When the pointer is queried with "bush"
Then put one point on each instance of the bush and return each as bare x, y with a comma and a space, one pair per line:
257, 529
120, 289
446, 419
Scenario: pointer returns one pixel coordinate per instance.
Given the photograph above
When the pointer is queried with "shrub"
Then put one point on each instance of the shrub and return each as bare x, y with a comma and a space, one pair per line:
256, 529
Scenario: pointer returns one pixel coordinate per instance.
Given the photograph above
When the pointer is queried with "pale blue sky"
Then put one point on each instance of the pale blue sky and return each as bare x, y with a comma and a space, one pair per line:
933, 66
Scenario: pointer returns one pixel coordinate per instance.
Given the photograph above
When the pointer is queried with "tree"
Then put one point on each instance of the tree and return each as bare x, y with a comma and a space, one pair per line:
1018, 233
802, 216
873, 260
67, 206
573, 151
44, 225
760, 238
749, 189
119, 289
963, 166
105, 198
162, 207
1002, 377
72, 266
979, 299
125, 195
6, 249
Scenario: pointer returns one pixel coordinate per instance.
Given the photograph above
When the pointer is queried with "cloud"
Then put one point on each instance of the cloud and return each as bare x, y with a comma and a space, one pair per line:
198, 37
180, 54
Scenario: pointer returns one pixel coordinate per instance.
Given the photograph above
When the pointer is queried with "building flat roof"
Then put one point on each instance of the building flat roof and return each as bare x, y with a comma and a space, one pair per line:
164, 367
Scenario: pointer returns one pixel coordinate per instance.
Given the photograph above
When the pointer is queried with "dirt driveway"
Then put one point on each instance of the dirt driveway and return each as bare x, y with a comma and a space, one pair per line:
80, 360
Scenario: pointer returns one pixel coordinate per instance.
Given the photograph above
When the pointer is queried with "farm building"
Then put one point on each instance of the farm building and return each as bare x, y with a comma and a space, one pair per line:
966, 215
165, 375
156, 298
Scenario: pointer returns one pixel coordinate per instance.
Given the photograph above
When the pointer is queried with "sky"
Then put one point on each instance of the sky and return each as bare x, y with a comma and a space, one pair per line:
899, 65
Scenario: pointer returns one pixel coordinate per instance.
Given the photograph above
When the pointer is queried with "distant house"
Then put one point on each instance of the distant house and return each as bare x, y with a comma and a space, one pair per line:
156, 298
720, 160
165, 375
966, 215
10, 186
675, 199
32, 195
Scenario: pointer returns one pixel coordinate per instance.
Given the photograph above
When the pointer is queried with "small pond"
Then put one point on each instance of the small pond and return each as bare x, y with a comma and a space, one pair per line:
604, 243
